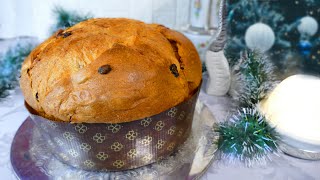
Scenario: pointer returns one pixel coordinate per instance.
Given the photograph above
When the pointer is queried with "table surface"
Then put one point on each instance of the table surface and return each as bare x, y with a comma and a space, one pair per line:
13, 113
280, 167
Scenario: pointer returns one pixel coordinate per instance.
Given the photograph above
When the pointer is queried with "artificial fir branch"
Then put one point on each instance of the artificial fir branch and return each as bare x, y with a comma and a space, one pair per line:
246, 136
10, 64
204, 67
65, 19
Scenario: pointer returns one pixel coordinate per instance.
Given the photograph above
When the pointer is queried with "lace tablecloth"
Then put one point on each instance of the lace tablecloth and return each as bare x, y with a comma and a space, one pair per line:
12, 114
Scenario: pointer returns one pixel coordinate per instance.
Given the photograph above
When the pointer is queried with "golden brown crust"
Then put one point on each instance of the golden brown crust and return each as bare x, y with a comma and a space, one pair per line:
60, 78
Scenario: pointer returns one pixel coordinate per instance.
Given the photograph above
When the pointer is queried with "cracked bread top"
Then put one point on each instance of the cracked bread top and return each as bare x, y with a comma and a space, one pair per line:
110, 70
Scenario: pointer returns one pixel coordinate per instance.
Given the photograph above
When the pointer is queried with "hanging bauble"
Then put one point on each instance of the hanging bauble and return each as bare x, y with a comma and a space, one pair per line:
305, 47
259, 37
308, 26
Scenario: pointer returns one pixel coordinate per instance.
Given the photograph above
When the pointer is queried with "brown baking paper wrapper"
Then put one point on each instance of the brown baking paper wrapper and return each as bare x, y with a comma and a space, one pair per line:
115, 147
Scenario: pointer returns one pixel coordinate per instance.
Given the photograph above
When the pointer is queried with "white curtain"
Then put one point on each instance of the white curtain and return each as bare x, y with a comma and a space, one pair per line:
34, 17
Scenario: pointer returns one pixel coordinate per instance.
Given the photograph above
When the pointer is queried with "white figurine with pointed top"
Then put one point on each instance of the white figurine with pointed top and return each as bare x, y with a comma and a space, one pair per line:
216, 62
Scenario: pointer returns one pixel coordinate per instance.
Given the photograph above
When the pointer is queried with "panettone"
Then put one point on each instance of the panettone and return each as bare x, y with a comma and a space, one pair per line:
110, 70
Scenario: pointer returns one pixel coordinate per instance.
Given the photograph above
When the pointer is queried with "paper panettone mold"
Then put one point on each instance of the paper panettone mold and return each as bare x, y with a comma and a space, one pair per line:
115, 147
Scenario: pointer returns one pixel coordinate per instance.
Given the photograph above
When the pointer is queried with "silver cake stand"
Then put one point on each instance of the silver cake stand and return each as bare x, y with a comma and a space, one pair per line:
31, 158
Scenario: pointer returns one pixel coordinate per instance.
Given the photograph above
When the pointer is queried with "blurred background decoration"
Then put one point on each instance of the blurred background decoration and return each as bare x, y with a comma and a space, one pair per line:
10, 65
66, 18
202, 23
293, 24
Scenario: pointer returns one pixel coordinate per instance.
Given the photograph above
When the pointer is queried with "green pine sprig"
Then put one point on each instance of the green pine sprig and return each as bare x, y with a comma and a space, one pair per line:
65, 19
10, 65
204, 67
246, 136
